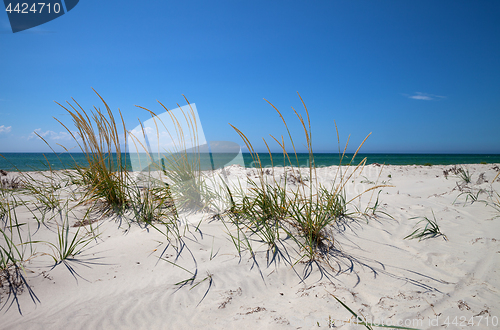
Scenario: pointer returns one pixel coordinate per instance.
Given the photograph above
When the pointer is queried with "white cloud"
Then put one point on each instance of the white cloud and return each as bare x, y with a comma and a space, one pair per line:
4, 129
424, 96
138, 131
51, 135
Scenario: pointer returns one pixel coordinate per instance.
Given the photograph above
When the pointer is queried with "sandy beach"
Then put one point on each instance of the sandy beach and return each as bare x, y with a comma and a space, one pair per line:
250, 165
202, 282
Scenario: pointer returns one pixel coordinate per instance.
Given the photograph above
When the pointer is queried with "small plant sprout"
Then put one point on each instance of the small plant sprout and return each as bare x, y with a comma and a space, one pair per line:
430, 229
69, 245
465, 176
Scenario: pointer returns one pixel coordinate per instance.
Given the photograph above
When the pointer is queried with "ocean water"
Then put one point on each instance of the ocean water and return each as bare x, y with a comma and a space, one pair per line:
40, 161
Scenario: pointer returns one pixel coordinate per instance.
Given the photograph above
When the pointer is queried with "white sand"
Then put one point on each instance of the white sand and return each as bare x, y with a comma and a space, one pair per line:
422, 284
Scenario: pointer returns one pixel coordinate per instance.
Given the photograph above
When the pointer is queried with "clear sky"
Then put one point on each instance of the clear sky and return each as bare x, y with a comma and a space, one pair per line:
423, 76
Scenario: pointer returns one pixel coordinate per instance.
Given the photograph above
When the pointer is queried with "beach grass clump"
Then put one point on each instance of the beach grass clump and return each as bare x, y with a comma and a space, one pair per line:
69, 245
492, 198
462, 173
153, 203
105, 188
303, 209
7, 181
105, 174
465, 176
188, 186
455, 170
472, 195
430, 229
261, 211
311, 220
180, 162
334, 203
495, 202
15, 251
5, 205
12, 183
373, 209
45, 193
111, 188
495, 198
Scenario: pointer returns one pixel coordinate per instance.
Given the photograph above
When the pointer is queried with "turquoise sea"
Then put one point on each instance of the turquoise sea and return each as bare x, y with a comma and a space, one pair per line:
40, 161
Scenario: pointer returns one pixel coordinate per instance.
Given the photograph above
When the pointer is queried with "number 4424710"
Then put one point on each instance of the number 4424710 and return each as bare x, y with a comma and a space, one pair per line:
473, 321
36, 8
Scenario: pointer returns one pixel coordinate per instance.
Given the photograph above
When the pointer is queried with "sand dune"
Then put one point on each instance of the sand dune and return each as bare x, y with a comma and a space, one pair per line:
122, 283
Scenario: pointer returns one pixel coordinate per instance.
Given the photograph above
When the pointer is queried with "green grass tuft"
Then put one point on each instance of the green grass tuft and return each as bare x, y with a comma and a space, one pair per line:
15, 251
296, 205
430, 230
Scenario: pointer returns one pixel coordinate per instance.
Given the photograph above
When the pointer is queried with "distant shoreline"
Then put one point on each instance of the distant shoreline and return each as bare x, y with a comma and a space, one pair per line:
38, 161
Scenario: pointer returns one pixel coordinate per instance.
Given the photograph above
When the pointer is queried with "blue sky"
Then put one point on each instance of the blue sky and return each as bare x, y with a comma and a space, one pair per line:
422, 76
